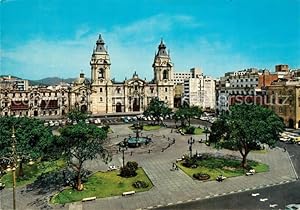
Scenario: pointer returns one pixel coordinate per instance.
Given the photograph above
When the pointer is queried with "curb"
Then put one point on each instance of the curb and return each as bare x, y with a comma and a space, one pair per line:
218, 195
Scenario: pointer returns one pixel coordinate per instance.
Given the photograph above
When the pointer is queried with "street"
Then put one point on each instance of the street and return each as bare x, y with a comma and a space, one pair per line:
277, 197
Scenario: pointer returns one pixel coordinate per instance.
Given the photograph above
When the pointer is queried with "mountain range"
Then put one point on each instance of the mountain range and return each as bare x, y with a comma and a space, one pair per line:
51, 81
46, 81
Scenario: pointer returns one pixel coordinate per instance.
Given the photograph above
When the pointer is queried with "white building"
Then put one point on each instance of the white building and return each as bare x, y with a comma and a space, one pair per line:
198, 90
179, 77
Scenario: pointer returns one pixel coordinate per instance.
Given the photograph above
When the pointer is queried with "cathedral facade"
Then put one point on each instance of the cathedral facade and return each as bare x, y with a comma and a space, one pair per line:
103, 95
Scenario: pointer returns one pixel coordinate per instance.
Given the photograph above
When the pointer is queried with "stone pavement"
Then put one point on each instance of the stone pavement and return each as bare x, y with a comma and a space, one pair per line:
172, 187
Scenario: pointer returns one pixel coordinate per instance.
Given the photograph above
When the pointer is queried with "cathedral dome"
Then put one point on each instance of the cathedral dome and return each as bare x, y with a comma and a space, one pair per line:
81, 80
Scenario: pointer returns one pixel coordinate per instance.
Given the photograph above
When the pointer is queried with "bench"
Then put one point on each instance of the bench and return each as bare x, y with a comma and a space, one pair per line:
89, 199
128, 193
178, 160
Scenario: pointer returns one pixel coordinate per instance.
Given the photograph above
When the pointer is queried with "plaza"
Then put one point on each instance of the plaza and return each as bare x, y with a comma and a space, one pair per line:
170, 187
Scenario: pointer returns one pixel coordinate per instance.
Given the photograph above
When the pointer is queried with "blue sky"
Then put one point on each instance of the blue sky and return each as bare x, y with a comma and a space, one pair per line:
41, 38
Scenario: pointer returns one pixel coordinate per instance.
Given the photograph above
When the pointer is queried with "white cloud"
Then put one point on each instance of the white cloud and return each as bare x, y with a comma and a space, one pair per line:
131, 48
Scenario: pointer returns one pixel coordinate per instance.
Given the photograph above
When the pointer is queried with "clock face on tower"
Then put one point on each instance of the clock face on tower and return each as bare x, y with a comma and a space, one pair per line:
158, 61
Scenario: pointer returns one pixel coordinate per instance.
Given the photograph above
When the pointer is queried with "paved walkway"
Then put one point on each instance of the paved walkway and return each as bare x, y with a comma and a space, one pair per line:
171, 187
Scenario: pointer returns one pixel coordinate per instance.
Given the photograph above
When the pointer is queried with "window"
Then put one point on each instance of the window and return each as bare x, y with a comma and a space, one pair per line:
100, 90
101, 99
101, 73
152, 90
166, 98
118, 90
166, 89
165, 74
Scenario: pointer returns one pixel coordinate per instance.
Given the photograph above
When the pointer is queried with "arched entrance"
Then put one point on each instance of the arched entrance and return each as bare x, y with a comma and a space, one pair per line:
83, 108
136, 105
35, 113
119, 107
291, 123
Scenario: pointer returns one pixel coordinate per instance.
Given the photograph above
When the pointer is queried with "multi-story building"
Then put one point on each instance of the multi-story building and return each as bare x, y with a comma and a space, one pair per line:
34, 101
13, 83
283, 97
179, 77
198, 90
248, 85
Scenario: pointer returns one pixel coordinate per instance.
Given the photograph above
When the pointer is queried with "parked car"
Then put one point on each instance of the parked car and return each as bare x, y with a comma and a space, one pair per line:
2, 186
292, 207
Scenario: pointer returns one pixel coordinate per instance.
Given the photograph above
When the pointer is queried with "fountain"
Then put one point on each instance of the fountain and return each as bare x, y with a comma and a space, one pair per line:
138, 140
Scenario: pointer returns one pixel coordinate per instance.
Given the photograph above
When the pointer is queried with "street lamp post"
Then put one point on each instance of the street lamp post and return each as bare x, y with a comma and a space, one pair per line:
123, 148
14, 156
12, 163
191, 141
206, 132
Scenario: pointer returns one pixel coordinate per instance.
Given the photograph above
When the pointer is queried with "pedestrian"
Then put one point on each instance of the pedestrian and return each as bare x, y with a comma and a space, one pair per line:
284, 149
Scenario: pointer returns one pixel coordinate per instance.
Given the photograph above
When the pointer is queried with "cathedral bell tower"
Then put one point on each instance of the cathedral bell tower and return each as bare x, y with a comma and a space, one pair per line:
163, 75
100, 63
162, 65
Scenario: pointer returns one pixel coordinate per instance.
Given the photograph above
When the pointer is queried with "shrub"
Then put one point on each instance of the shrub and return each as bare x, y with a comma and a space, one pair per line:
190, 130
129, 170
201, 176
190, 162
140, 184
133, 165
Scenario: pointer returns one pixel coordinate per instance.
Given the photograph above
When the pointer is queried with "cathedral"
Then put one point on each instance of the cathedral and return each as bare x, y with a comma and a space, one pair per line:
103, 95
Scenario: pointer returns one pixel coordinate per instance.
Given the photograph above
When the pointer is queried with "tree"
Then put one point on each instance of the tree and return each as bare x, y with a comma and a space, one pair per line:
75, 115
246, 127
32, 139
219, 130
185, 113
82, 142
157, 109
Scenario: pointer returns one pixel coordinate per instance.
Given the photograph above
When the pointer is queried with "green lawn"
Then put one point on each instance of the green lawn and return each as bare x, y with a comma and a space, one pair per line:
32, 172
198, 131
227, 167
103, 184
151, 127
